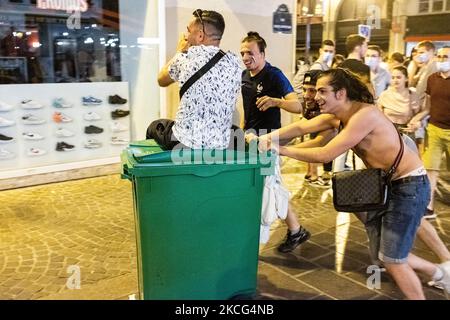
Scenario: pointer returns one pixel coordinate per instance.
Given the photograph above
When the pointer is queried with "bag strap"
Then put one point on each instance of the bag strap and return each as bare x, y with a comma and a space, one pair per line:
399, 157
201, 72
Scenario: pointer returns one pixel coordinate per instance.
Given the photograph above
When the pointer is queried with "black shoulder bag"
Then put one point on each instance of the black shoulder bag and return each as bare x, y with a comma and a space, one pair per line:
364, 190
201, 72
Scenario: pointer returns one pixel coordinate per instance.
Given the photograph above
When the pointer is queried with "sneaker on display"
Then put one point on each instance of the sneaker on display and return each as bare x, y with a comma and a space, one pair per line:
5, 154
292, 241
32, 136
64, 133
59, 117
119, 113
6, 123
91, 116
61, 103
5, 139
445, 281
32, 119
62, 146
116, 99
93, 144
92, 130
33, 152
30, 104
118, 127
119, 141
4, 107
91, 101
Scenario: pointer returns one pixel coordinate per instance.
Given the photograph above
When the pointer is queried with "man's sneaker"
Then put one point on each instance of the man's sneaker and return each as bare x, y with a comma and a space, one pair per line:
119, 113
93, 144
91, 116
31, 104
33, 152
116, 99
4, 107
436, 285
307, 178
5, 154
91, 101
430, 214
64, 133
92, 130
5, 139
32, 119
61, 103
118, 127
6, 123
32, 136
62, 146
445, 281
59, 117
119, 141
292, 241
319, 182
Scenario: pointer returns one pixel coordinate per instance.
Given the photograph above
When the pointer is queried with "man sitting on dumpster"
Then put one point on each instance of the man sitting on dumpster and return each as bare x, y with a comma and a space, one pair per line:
204, 117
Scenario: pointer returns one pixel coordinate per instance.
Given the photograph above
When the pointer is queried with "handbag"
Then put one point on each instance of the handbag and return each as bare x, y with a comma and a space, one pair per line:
364, 190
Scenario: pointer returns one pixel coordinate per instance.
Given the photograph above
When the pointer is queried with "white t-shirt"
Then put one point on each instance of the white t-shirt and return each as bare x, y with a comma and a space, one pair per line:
204, 117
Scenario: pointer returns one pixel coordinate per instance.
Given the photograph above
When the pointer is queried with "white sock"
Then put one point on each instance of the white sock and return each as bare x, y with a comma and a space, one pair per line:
438, 275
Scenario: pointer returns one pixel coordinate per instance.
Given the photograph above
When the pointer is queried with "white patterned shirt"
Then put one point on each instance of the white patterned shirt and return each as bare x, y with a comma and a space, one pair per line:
204, 117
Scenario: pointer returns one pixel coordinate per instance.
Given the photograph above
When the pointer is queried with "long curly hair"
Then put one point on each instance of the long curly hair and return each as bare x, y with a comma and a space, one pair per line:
341, 78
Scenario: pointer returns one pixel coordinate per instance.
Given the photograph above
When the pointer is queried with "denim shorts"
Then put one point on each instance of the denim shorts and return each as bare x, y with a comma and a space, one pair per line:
392, 231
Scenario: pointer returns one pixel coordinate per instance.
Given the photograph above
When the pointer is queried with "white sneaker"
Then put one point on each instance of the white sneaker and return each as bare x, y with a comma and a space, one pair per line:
445, 281
5, 154
119, 141
4, 107
118, 127
32, 136
33, 152
91, 116
6, 123
31, 104
93, 144
64, 133
31, 119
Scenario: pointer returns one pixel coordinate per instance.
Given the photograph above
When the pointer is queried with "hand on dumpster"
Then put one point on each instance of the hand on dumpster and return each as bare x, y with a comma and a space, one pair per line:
249, 137
265, 143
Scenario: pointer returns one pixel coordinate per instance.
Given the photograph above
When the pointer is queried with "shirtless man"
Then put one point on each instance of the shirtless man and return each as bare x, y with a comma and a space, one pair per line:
345, 99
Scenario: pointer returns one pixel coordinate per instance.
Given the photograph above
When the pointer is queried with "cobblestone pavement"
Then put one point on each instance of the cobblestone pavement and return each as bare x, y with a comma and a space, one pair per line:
90, 224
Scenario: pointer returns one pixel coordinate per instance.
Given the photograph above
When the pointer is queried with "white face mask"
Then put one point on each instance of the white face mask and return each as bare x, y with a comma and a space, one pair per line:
327, 57
372, 62
423, 58
443, 66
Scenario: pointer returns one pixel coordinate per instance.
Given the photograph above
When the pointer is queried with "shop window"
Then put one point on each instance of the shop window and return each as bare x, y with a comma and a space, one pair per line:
438, 5
424, 6
447, 6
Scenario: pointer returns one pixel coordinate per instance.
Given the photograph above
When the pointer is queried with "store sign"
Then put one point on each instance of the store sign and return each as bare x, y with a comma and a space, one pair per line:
64, 5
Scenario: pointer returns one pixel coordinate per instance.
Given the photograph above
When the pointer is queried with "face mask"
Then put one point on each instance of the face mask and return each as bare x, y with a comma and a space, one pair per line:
423, 58
443, 66
372, 62
327, 57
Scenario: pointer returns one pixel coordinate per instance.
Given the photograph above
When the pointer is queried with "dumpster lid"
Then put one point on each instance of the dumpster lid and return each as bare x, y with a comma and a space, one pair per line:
141, 156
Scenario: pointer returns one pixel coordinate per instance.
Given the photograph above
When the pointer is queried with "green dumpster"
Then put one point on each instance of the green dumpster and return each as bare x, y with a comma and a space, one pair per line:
197, 220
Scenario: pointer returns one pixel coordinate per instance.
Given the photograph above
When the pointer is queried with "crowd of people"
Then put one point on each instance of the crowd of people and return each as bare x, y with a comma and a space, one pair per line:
354, 105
